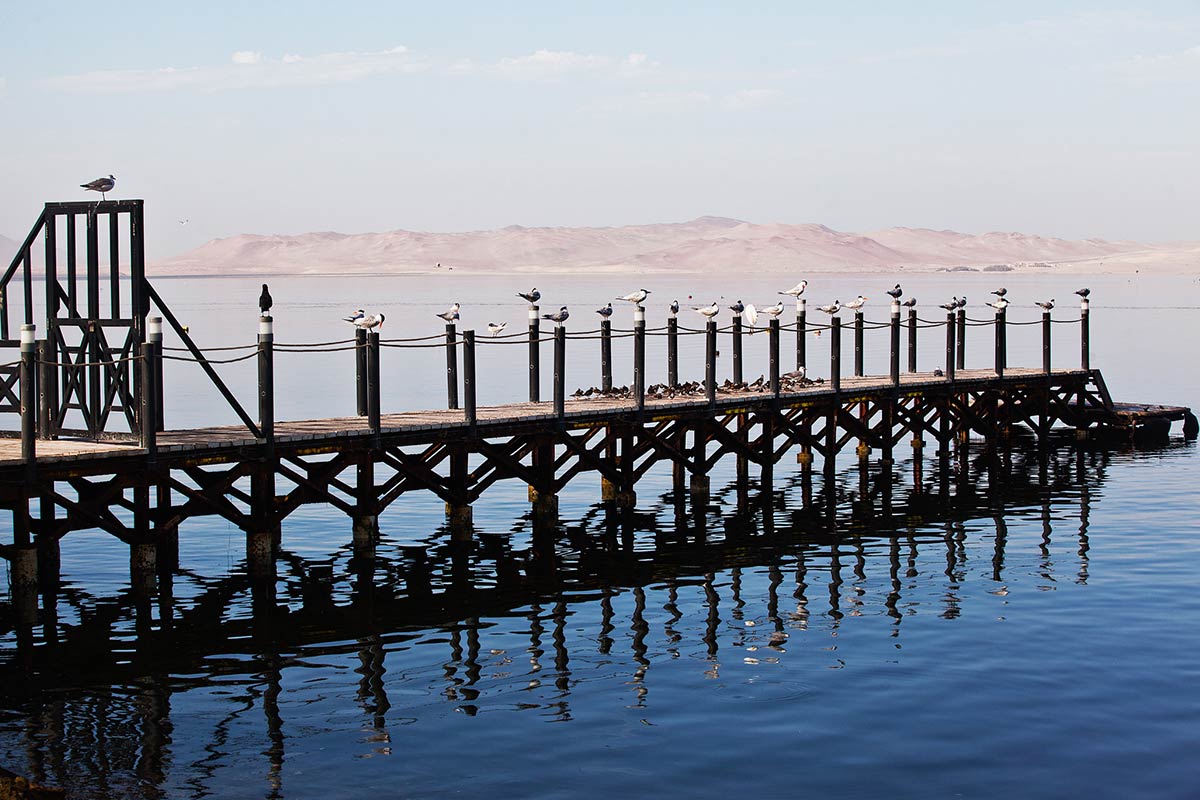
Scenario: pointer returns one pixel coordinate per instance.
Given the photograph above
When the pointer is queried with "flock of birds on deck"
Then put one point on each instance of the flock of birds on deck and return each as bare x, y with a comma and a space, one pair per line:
747, 311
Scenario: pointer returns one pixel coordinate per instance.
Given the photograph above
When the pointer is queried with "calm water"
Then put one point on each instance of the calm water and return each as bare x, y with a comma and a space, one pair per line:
988, 633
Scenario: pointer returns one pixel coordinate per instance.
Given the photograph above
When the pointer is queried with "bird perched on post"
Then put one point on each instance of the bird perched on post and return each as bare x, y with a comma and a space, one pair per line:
1045, 305
558, 317
532, 296
708, 311
355, 317
832, 308
796, 290
751, 315
450, 314
1000, 292
953, 304
737, 307
264, 301
910, 303
369, 322
857, 303
605, 312
1084, 292
101, 185
674, 307
494, 327
635, 297
773, 311
895, 292
1000, 304
962, 301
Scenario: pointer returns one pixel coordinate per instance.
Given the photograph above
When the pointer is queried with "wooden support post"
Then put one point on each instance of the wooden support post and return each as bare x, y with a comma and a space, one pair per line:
451, 366
365, 522
95, 356
895, 345
672, 351
710, 362
961, 358
166, 533
535, 375
639, 358
23, 581
373, 381
47, 404
699, 483
737, 349
143, 568
1046, 342
912, 340
458, 512
560, 371
29, 401
950, 343
801, 323
835, 353
1000, 330
1085, 358
263, 531
858, 343
773, 340
260, 553
543, 498
360, 370
606, 355
154, 335
266, 382
470, 408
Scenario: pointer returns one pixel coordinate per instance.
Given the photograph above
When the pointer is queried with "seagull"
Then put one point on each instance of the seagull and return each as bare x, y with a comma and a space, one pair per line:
796, 290
910, 303
962, 301
707, 311
674, 307
751, 314
1083, 292
605, 312
737, 307
494, 328
1000, 292
635, 297
184, 221
264, 301
857, 303
355, 317
101, 185
895, 292
953, 304
533, 295
558, 317
451, 313
370, 322
1000, 304
831, 309
1045, 305
774, 311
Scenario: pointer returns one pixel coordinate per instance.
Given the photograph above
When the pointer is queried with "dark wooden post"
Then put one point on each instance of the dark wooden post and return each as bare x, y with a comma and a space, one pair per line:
912, 340
672, 351
266, 381
469, 399
606, 354
1000, 320
46, 394
451, 366
154, 335
360, 370
29, 401
710, 362
95, 386
895, 363
858, 343
1046, 342
801, 313
1085, 360
639, 358
950, 345
560, 371
148, 435
373, 381
773, 334
737, 349
535, 374
961, 338
835, 353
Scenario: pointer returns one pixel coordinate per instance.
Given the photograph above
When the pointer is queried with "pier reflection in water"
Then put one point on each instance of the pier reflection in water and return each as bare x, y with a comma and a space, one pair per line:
616, 616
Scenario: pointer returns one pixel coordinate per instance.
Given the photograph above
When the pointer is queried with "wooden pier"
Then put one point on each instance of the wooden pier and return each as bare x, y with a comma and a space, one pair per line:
141, 484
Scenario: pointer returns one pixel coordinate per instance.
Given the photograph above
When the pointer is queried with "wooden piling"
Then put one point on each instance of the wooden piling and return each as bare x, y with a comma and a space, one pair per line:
1000, 343
360, 370
470, 401
1085, 358
710, 362
47, 375
912, 340
773, 340
451, 366
154, 335
1046, 323
950, 345
961, 338
858, 343
801, 345
535, 375
266, 381
148, 415
606, 355
29, 399
737, 349
672, 351
835, 353
895, 343
373, 381
560, 371
639, 358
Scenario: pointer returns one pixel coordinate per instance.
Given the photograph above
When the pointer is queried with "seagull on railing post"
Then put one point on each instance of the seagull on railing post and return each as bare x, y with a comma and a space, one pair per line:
796, 290
532, 296
101, 185
674, 307
707, 311
952, 305
369, 322
1084, 292
1045, 305
265, 301
355, 317
605, 312
558, 317
450, 314
895, 292
910, 303
832, 308
635, 297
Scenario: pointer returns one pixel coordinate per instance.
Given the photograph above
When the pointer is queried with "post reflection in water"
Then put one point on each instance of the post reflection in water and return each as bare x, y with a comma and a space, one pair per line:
401, 615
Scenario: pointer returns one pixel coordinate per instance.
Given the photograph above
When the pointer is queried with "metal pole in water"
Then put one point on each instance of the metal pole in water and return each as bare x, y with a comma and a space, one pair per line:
560, 371
710, 362
773, 333
535, 375
858, 343
912, 340
1084, 334
672, 351
266, 380
950, 345
801, 312
639, 358
360, 369
29, 402
451, 366
835, 353
606, 354
1046, 342
895, 363
469, 399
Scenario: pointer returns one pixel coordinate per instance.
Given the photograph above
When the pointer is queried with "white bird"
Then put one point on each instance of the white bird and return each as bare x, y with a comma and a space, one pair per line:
751, 315
773, 311
1000, 304
857, 303
796, 290
635, 297
355, 317
1045, 305
831, 309
533, 295
370, 322
495, 327
707, 311
450, 314
558, 317
605, 312
101, 185
674, 307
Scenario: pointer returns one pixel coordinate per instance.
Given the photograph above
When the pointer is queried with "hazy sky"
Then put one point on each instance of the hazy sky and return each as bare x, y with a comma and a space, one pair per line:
1069, 119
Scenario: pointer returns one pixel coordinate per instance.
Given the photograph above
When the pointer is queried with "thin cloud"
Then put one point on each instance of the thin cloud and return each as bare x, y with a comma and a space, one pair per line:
1165, 68
548, 65
247, 69
750, 98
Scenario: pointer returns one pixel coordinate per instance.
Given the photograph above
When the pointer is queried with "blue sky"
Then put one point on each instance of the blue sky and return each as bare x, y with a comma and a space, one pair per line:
1066, 119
